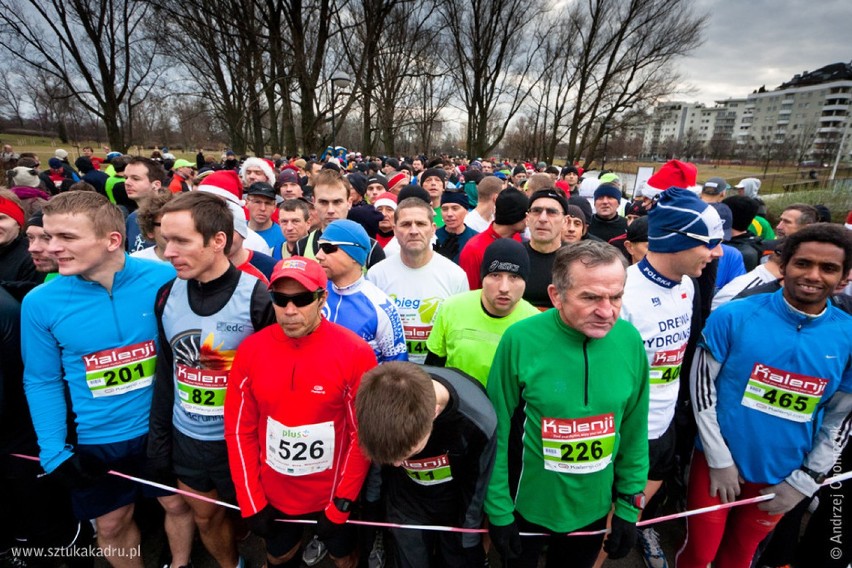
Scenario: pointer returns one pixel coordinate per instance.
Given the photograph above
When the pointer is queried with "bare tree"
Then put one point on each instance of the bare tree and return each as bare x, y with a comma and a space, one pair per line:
624, 55
12, 83
720, 146
691, 145
217, 45
490, 62
98, 49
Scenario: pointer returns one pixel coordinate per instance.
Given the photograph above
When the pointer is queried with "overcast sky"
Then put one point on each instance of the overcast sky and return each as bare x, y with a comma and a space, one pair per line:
750, 43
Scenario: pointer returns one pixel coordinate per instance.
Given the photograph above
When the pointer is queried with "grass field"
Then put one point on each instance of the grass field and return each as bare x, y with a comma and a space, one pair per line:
44, 147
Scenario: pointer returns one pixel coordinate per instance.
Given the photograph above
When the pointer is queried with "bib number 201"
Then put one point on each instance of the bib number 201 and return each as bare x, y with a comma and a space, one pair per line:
123, 375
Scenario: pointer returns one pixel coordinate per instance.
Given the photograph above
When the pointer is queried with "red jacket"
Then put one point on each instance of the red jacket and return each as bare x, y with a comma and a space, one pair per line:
288, 402
470, 258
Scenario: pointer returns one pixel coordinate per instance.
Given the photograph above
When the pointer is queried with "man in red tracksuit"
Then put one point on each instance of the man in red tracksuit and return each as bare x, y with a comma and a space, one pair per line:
290, 419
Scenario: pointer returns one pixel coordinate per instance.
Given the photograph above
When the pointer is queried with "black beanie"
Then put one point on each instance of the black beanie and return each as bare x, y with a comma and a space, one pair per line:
505, 255
413, 190
358, 182
550, 193
432, 172
511, 207
743, 210
583, 204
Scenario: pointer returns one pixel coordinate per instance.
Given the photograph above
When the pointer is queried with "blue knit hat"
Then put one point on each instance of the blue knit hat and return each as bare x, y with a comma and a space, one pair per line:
608, 190
681, 221
350, 237
457, 197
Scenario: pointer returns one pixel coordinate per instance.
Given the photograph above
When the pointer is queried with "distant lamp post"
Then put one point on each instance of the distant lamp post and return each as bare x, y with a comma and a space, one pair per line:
341, 80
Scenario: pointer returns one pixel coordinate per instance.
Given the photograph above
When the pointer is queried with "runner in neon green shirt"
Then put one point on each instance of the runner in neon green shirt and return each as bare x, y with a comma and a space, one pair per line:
469, 326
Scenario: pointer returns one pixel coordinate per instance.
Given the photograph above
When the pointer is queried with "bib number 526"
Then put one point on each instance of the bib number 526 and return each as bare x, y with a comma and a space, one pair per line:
300, 451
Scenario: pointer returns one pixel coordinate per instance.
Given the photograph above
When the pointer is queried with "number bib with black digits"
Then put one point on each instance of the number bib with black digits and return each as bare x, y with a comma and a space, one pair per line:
115, 371
201, 391
300, 450
665, 369
429, 471
580, 445
415, 340
782, 393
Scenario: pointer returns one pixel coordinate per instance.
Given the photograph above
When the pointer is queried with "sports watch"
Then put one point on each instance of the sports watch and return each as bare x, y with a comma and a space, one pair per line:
637, 500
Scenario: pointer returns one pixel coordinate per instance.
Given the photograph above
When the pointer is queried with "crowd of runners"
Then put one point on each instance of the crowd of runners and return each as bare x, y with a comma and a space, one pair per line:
480, 344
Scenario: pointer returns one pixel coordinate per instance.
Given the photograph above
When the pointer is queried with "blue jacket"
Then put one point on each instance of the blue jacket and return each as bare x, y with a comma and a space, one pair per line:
779, 367
103, 345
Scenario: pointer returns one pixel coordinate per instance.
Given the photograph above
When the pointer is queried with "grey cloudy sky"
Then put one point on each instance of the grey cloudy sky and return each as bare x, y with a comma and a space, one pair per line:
749, 43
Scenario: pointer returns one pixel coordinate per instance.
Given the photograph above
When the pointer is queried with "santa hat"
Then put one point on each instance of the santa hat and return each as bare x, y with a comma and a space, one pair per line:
224, 183
674, 173
849, 221
387, 198
266, 166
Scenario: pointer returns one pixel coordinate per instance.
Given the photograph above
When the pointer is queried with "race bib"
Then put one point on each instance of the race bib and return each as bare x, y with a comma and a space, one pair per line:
665, 368
301, 450
415, 340
783, 394
201, 391
115, 371
581, 445
429, 471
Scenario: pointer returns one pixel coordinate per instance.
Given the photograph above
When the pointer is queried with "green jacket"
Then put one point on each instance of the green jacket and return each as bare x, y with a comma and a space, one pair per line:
582, 407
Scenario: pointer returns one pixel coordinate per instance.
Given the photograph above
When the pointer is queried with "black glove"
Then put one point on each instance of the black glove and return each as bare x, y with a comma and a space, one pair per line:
474, 556
621, 539
80, 471
507, 540
449, 248
326, 528
261, 522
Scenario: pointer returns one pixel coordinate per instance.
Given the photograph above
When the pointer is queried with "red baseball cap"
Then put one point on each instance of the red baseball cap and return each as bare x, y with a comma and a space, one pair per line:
303, 270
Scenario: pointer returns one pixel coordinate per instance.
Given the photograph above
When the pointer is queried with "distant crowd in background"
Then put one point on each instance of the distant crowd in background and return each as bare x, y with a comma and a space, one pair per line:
419, 340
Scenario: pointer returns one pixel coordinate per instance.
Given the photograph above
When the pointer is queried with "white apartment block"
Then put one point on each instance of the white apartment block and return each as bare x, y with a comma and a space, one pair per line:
811, 107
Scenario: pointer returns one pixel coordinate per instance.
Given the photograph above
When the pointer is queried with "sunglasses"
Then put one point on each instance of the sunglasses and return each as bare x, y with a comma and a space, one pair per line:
299, 300
711, 243
328, 248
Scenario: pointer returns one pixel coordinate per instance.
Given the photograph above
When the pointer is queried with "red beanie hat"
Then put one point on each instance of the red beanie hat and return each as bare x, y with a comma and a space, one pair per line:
225, 184
394, 180
13, 210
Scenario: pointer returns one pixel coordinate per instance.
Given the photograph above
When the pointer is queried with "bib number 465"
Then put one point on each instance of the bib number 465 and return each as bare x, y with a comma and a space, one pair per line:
786, 400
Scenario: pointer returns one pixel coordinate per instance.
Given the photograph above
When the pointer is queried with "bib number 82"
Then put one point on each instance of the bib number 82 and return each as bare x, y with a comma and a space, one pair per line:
204, 397
297, 450
584, 451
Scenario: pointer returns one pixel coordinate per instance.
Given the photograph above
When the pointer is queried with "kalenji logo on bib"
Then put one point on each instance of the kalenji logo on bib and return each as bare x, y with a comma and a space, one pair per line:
578, 427
427, 463
672, 357
201, 377
789, 381
108, 358
318, 389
